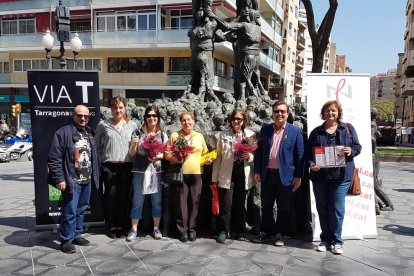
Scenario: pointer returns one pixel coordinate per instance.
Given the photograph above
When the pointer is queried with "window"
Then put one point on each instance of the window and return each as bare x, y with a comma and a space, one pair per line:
279, 24
80, 26
4, 67
147, 20
220, 68
181, 19
136, 65
288, 54
180, 64
290, 28
22, 65
18, 26
126, 21
294, 34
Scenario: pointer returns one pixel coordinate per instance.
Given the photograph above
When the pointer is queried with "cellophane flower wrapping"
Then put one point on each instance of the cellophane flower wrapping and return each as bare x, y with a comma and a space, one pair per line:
153, 145
180, 149
244, 145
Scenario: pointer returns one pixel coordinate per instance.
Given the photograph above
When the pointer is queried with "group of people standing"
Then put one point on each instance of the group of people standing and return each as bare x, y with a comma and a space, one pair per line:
116, 152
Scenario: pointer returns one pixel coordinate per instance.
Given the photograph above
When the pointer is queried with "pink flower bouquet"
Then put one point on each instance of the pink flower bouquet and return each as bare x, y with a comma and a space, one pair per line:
244, 145
153, 145
181, 149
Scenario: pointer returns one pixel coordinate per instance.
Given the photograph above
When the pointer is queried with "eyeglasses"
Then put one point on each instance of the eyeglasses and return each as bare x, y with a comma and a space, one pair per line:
80, 116
279, 111
237, 119
151, 115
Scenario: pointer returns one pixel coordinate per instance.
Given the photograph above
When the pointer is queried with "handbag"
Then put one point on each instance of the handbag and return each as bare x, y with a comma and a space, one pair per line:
173, 175
355, 187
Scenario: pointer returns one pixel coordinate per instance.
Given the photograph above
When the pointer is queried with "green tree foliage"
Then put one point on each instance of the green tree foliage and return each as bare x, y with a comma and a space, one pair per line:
385, 109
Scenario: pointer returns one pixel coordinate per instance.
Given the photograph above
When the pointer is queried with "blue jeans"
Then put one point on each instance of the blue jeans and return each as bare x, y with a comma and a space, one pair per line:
138, 198
330, 203
273, 190
73, 210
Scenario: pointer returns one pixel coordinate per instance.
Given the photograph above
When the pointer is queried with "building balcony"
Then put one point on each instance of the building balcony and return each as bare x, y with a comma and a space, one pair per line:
268, 63
301, 43
299, 63
410, 59
408, 89
302, 24
160, 38
411, 31
34, 42
298, 81
279, 10
223, 84
270, 32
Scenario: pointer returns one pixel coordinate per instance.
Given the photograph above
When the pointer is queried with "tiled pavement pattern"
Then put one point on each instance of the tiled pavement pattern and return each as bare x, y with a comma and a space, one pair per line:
23, 251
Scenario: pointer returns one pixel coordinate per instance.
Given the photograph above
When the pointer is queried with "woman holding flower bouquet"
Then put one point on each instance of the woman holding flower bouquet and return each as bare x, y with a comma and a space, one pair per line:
186, 147
233, 174
147, 147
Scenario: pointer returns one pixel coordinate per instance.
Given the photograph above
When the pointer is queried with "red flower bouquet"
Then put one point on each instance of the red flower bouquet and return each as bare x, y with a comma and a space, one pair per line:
181, 149
153, 145
244, 145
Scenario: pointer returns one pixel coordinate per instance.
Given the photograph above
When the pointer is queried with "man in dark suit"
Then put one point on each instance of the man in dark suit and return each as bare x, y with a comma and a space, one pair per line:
278, 165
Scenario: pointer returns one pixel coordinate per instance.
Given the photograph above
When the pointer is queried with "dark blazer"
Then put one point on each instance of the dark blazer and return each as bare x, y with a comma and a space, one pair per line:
290, 153
62, 157
347, 137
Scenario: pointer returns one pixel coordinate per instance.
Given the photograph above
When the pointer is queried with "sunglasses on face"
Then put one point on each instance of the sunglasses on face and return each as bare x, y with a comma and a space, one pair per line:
276, 111
237, 119
151, 116
80, 116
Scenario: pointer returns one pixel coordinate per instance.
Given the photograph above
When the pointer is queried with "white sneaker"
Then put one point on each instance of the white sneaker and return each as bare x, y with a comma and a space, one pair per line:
279, 240
322, 247
337, 249
132, 235
157, 233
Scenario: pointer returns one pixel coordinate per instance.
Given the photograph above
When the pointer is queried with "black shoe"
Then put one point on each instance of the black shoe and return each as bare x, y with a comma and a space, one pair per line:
81, 241
120, 234
67, 248
263, 237
241, 237
112, 234
193, 237
221, 238
184, 238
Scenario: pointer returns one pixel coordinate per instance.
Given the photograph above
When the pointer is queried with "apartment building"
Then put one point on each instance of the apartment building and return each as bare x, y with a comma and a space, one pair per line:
140, 48
407, 80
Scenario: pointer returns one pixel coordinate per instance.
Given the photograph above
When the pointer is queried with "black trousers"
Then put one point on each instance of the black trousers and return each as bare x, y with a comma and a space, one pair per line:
117, 178
186, 203
232, 203
273, 190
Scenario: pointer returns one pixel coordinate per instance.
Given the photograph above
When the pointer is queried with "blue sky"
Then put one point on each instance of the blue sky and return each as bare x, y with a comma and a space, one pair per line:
369, 32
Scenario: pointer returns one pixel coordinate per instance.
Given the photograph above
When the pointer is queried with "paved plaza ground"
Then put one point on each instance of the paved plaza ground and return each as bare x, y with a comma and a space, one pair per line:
24, 251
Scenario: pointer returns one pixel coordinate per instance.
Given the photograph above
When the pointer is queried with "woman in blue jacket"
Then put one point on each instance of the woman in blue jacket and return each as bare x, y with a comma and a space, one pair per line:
330, 185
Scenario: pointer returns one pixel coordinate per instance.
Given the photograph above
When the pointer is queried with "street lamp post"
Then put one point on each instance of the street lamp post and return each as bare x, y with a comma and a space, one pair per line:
62, 20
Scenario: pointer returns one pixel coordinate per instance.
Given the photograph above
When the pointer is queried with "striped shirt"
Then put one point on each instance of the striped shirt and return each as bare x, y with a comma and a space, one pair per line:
112, 144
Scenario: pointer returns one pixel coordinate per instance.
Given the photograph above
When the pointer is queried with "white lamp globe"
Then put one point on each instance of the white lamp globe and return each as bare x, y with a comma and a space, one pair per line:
76, 43
47, 40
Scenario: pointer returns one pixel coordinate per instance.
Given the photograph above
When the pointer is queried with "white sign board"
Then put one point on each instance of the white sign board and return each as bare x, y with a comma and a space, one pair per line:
353, 92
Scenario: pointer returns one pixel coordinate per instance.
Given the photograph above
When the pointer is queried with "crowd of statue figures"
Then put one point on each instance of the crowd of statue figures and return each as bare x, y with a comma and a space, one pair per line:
212, 112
